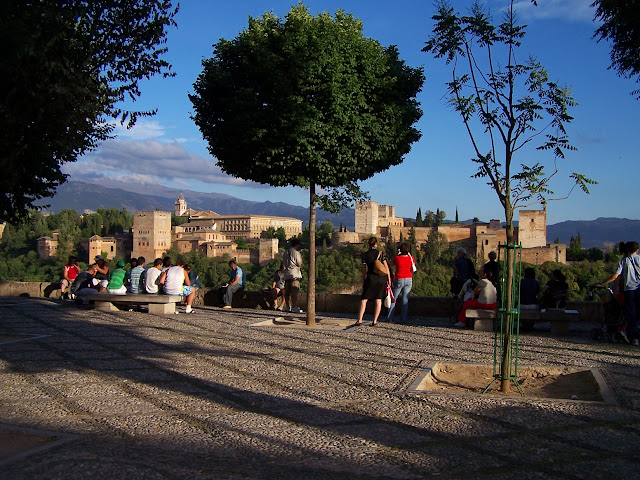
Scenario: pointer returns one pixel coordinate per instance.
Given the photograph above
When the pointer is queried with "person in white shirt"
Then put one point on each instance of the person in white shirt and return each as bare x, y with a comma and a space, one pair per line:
484, 298
152, 275
175, 281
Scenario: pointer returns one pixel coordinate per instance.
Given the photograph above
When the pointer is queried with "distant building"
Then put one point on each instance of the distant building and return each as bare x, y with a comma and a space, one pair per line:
48, 246
477, 238
151, 234
248, 227
180, 207
119, 245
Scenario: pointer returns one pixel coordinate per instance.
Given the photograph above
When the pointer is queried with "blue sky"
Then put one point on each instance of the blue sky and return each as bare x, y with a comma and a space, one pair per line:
168, 149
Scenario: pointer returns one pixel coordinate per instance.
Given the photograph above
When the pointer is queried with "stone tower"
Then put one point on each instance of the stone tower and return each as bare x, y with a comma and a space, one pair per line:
180, 207
151, 234
532, 228
367, 217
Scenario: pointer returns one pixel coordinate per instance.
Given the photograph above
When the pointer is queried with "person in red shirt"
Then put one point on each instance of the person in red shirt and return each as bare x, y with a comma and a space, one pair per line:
402, 281
69, 274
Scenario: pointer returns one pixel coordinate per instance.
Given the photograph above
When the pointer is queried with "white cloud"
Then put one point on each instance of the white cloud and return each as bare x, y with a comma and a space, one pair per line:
149, 161
142, 130
572, 10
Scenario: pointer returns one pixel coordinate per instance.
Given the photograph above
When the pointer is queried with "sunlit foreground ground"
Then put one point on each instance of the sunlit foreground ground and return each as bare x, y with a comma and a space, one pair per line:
126, 395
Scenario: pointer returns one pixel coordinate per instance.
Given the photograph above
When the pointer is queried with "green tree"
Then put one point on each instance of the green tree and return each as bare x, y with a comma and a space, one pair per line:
429, 219
504, 105
307, 101
440, 216
413, 243
281, 235
457, 215
436, 244
419, 218
178, 220
67, 67
575, 251
621, 26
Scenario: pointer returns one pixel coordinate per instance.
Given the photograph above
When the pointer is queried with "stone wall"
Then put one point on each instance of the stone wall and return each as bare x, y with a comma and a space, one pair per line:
555, 252
325, 302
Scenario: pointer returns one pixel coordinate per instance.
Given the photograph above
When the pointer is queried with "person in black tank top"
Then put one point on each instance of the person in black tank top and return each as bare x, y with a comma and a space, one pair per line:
373, 284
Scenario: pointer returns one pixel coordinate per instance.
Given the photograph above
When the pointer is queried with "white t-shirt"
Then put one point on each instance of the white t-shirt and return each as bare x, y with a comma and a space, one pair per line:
150, 279
488, 293
174, 280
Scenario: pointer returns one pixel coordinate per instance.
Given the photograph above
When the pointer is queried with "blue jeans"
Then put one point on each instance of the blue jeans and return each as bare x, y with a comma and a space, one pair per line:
228, 294
401, 287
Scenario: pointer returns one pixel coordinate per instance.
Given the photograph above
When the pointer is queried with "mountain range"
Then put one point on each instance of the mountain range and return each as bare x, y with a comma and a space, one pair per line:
82, 196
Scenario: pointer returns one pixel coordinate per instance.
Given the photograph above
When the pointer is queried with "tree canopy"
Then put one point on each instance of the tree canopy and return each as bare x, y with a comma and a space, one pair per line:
67, 68
621, 26
307, 101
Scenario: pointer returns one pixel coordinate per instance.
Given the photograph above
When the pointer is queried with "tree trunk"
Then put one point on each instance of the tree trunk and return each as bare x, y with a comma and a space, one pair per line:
311, 289
505, 383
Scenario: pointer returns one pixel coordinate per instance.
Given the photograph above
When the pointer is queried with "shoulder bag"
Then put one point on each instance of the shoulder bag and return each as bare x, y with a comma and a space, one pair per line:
379, 268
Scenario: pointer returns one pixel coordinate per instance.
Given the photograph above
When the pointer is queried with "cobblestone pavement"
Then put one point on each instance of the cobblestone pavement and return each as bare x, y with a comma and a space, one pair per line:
141, 396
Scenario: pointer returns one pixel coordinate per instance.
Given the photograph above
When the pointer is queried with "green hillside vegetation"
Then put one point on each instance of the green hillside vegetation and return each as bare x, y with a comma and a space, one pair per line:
338, 269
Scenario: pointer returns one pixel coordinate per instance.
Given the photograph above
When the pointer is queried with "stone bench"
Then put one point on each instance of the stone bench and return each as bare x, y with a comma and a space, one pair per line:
157, 304
558, 318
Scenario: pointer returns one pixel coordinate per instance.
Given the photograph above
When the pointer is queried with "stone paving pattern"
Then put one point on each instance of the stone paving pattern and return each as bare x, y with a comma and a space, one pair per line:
206, 396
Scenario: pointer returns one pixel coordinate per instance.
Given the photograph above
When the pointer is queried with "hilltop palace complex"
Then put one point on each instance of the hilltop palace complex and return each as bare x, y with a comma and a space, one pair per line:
206, 232
214, 235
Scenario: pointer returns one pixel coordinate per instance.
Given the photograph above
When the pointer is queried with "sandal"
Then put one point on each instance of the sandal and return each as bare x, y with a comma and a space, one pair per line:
357, 324
373, 324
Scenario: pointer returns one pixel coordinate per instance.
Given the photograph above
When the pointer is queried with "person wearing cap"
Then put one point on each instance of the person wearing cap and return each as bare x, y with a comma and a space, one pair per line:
100, 279
116, 284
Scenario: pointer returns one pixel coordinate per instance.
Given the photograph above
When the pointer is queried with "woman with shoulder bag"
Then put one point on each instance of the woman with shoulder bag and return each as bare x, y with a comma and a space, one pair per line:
374, 279
402, 281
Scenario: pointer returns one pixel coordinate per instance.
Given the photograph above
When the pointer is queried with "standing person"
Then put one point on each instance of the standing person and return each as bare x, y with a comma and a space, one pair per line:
462, 270
629, 268
292, 260
175, 281
69, 274
402, 281
492, 268
374, 285
101, 278
136, 276
152, 275
486, 299
277, 288
237, 281
116, 284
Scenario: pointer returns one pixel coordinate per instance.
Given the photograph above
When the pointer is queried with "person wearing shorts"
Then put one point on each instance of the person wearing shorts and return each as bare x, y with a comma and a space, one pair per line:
175, 281
292, 261
69, 274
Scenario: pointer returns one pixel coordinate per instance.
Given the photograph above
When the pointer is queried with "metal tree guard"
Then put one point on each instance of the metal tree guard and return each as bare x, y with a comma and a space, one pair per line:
507, 334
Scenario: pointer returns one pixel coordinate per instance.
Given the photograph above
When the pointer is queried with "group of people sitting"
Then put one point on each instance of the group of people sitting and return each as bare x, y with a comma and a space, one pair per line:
162, 277
479, 291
